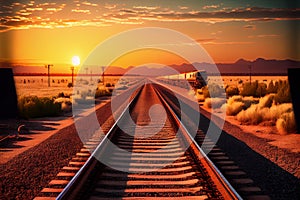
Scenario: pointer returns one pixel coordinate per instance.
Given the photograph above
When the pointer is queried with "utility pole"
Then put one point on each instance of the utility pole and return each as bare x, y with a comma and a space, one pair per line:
103, 74
72, 69
250, 69
48, 67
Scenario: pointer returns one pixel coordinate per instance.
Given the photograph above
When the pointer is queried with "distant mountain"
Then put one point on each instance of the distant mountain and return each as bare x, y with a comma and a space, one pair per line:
259, 66
241, 66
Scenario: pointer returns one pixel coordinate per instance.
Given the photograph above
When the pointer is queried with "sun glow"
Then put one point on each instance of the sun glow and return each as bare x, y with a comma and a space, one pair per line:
75, 60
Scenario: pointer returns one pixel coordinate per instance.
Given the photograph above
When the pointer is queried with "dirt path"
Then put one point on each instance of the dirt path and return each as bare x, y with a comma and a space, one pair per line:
39, 130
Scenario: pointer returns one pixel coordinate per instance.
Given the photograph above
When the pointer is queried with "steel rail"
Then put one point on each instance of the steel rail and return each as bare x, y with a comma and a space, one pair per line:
82, 172
232, 193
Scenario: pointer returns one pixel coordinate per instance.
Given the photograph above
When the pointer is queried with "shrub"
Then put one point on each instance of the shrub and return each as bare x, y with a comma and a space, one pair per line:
231, 91
235, 98
32, 106
277, 110
66, 104
101, 92
266, 101
286, 123
249, 89
283, 95
215, 90
212, 90
254, 89
261, 90
253, 115
248, 101
107, 85
234, 108
214, 102
61, 94
199, 95
272, 88
205, 92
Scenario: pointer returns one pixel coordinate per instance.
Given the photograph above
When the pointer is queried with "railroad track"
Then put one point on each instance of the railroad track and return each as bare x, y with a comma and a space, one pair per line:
166, 164
237, 177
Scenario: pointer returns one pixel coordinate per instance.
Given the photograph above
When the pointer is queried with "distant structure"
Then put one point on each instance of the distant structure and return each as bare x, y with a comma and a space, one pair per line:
8, 95
294, 81
48, 67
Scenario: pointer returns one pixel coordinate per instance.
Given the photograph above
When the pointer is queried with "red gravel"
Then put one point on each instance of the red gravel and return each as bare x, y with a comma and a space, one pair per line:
24, 176
274, 170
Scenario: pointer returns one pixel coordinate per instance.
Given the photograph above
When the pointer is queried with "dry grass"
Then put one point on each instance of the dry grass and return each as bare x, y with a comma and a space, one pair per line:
276, 111
286, 123
266, 101
66, 104
214, 102
253, 115
256, 114
233, 108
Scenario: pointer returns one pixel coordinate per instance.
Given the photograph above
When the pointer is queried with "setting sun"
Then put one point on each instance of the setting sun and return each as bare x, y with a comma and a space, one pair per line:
75, 60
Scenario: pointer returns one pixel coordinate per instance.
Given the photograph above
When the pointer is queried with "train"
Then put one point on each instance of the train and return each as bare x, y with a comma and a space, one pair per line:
196, 79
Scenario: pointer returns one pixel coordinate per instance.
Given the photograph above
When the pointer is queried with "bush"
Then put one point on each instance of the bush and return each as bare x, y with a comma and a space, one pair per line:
248, 101
212, 90
249, 89
254, 89
33, 106
205, 92
101, 92
272, 88
234, 108
231, 91
235, 98
283, 95
61, 94
214, 102
266, 101
286, 123
66, 104
215, 90
253, 115
277, 110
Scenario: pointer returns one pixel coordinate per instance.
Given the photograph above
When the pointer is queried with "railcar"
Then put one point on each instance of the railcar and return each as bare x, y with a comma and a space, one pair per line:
197, 79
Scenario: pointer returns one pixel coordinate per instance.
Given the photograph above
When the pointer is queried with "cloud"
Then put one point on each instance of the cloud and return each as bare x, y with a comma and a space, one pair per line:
121, 14
183, 7
77, 10
146, 7
249, 27
110, 6
89, 4
264, 36
211, 6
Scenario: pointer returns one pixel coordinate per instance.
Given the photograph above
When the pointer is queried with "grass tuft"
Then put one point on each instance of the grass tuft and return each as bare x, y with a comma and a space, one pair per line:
286, 123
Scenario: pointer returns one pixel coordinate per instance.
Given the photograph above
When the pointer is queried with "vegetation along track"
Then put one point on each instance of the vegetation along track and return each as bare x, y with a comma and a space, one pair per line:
147, 164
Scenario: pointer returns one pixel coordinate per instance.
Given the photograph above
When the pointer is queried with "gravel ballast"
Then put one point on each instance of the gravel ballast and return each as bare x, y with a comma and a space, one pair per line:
24, 176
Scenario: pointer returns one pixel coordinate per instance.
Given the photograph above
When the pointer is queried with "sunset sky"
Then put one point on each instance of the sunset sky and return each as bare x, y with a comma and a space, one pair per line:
52, 32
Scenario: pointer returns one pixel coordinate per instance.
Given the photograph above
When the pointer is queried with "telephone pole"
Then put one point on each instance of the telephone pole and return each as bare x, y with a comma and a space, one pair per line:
48, 67
250, 70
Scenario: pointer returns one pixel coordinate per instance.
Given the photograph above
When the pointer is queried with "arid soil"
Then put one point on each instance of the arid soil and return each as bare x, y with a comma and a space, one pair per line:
26, 173
271, 160
275, 166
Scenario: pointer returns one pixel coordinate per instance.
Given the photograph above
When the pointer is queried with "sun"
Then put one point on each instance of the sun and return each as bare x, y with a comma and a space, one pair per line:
75, 60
